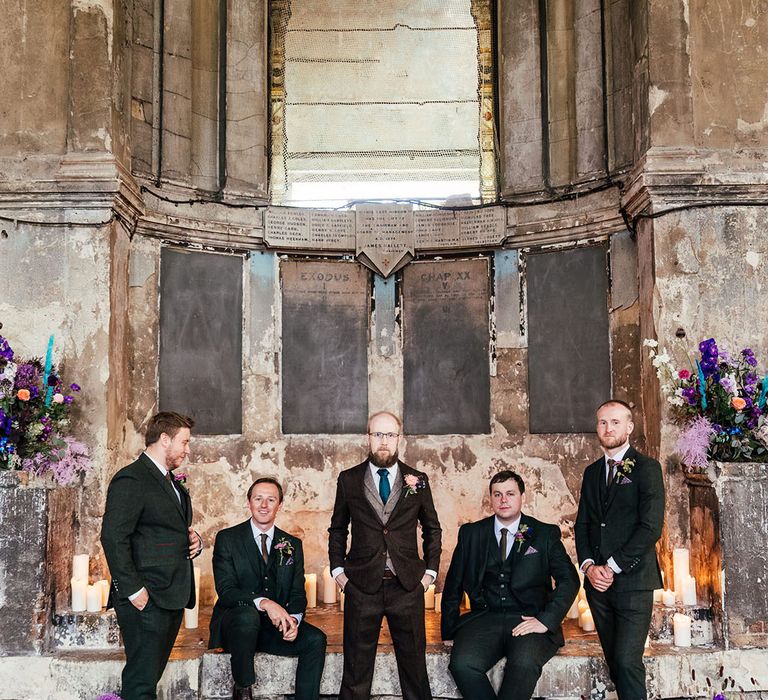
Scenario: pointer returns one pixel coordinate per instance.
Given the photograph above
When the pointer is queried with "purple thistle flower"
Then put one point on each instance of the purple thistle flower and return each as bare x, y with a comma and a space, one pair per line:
693, 443
27, 376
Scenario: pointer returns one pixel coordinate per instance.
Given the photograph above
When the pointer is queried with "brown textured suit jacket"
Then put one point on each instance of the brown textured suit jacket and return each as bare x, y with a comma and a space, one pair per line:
374, 537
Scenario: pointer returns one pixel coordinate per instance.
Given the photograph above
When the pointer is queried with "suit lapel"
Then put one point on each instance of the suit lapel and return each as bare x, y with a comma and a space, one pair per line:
164, 485
396, 495
372, 495
613, 489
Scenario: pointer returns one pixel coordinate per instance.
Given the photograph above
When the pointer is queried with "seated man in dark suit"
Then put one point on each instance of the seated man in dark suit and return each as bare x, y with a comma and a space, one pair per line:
506, 564
259, 574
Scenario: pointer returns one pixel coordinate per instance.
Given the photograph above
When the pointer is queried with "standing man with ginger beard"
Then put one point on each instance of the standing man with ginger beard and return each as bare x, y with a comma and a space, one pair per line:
148, 542
382, 574
621, 515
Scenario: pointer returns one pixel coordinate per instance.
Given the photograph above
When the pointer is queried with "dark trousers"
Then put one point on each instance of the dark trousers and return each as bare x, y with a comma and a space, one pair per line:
245, 631
148, 636
622, 619
363, 613
482, 642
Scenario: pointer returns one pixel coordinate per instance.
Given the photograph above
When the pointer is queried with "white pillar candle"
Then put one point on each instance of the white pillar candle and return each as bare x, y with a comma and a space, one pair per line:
80, 566
93, 599
192, 615
682, 630
329, 586
586, 622
103, 584
310, 588
438, 601
429, 597
79, 594
668, 598
573, 611
689, 591
583, 606
680, 562
341, 601
657, 594
582, 594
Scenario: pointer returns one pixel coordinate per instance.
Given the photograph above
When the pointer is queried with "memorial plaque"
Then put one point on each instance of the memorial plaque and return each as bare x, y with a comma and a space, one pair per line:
569, 371
201, 356
326, 307
446, 343
436, 229
285, 227
385, 236
332, 230
480, 228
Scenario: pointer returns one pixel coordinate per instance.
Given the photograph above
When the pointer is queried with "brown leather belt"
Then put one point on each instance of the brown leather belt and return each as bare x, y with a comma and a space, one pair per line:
388, 574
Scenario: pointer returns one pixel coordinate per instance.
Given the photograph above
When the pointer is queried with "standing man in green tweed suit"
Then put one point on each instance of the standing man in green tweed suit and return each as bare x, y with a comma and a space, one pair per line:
620, 518
149, 544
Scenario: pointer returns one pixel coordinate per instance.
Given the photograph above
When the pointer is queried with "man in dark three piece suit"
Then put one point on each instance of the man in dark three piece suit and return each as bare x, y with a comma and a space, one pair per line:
620, 518
149, 543
381, 573
506, 564
259, 573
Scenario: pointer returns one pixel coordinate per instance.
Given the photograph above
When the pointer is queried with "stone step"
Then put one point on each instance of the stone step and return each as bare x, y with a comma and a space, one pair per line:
672, 673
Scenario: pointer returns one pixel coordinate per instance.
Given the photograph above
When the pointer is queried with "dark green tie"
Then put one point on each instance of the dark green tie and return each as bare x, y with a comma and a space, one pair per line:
384, 488
503, 543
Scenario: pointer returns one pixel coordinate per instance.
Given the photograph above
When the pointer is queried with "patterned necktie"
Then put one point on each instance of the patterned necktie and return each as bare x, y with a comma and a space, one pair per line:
384, 488
264, 552
611, 472
503, 543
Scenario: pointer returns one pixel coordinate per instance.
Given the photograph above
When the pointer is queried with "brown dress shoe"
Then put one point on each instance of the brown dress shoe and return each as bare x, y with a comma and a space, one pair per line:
242, 693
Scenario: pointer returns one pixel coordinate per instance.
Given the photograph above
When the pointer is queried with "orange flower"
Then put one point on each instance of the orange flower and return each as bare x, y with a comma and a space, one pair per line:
22, 394
738, 403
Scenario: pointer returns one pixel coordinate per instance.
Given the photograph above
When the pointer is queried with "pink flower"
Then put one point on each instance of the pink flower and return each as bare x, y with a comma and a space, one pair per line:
684, 374
738, 403
58, 398
411, 480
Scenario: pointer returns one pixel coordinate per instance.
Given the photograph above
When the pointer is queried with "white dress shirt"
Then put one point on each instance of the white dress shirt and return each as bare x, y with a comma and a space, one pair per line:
512, 531
270, 536
393, 472
617, 458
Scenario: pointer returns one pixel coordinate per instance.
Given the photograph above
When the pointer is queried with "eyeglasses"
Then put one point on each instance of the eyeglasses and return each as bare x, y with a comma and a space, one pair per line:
384, 436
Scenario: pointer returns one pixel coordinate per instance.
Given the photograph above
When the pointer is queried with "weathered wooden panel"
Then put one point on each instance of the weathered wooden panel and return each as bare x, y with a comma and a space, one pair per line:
201, 309
325, 347
569, 372
445, 330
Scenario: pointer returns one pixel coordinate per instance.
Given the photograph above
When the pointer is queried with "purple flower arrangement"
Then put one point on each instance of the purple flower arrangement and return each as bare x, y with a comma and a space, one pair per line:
35, 407
719, 401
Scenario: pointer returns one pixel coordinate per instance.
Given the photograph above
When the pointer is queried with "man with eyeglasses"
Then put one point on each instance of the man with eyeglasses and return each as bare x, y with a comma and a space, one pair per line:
381, 573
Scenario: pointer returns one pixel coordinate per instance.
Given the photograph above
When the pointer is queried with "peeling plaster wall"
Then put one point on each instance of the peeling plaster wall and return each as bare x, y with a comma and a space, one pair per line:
459, 467
710, 272
57, 281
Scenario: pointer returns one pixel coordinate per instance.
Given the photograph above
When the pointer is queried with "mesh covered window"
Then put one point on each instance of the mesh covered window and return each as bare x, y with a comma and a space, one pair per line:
381, 100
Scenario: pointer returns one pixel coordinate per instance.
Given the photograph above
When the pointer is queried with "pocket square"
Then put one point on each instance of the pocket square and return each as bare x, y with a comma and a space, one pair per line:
625, 480
531, 550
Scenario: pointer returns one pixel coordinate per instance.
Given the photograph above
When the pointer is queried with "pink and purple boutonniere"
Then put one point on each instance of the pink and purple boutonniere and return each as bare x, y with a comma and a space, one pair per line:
413, 484
285, 549
523, 536
180, 478
623, 470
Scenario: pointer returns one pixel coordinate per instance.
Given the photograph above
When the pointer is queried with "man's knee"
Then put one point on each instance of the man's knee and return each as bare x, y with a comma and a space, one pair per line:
315, 640
462, 663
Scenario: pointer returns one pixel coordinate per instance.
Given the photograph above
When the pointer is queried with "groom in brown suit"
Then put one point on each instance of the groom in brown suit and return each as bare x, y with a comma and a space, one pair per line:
382, 573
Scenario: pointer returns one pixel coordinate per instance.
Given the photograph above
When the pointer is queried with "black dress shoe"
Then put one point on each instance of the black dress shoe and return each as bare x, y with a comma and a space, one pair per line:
241, 693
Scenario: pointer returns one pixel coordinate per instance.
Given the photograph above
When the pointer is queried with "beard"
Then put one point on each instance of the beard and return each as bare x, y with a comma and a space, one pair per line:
610, 443
381, 461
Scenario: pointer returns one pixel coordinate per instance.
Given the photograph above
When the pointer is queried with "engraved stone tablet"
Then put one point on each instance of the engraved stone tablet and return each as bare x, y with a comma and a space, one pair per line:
385, 236
332, 230
480, 228
436, 229
285, 227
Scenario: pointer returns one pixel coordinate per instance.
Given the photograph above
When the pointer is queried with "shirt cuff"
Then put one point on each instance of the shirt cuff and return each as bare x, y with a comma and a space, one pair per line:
584, 563
431, 573
299, 617
614, 566
257, 602
137, 594
338, 570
